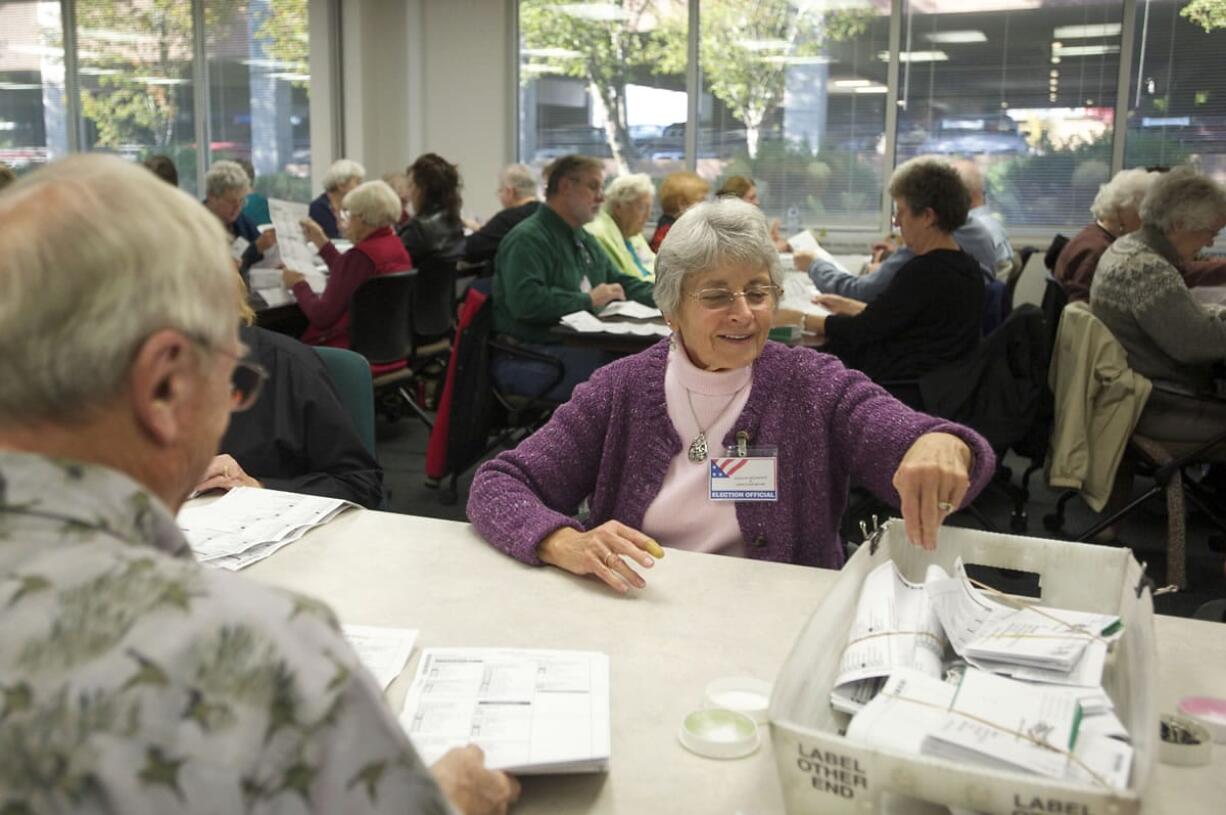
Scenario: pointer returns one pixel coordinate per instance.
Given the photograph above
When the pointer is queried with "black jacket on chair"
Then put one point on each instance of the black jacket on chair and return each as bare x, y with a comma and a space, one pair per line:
999, 390
430, 236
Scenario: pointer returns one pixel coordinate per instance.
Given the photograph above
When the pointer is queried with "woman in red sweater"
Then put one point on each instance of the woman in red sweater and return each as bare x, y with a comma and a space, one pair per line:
373, 208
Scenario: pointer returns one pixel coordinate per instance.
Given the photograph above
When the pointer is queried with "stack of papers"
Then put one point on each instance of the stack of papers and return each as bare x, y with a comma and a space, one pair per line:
894, 627
248, 524
532, 712
991, 721
382, 651
587, 323
630, 310
1025, 642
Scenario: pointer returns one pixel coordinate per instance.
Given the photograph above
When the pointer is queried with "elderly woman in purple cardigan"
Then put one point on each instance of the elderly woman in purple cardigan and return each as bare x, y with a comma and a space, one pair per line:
661, 440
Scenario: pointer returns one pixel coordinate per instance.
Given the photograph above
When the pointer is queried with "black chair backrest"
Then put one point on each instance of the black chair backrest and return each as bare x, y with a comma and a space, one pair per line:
1053, 251
1055, 298
434, 300
379, 317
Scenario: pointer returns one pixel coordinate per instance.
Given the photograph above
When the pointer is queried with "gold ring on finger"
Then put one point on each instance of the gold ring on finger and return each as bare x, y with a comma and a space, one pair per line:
945, 507
611, 559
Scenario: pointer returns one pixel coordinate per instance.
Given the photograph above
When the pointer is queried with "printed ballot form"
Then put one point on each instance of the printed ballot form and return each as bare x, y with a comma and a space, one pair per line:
533, 712
382, 651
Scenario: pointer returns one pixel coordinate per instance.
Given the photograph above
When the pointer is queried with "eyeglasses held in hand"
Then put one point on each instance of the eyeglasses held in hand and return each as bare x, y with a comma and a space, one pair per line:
755, 297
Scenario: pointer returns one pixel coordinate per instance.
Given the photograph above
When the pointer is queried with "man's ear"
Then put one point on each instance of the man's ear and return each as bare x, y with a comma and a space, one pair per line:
162, 381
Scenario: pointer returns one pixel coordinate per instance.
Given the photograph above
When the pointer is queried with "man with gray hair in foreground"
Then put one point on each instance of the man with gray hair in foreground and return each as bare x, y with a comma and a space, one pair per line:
134, 679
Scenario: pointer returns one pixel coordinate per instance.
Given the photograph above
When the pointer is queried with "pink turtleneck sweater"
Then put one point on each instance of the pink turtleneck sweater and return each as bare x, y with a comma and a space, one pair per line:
718, 397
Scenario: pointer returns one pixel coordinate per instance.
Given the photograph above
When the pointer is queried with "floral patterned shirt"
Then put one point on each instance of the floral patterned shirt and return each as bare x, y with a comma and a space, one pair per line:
134, 680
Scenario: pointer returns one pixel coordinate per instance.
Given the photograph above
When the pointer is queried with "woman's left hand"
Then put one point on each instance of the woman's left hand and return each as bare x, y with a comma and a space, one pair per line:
290, 278
224, 473
931, 481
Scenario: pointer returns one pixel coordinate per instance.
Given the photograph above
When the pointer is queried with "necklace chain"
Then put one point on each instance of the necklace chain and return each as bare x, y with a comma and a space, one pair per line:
699, 450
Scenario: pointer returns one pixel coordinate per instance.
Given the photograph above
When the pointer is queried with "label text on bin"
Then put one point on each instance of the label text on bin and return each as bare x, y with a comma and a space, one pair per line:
1050, 806
831, 772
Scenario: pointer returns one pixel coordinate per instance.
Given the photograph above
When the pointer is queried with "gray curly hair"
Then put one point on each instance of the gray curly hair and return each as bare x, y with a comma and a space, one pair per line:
727, 230
1183, 199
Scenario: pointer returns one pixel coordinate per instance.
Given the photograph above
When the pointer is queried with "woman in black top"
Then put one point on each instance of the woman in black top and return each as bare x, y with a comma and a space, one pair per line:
930, 314
435, 231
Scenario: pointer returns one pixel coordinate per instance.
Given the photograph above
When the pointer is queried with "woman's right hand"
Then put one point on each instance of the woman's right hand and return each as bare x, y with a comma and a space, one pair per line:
602, 552
313, 232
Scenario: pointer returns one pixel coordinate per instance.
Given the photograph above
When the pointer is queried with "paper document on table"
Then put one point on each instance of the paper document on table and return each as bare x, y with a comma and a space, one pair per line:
287, 216
383, 651
276, 297
798, 294
533, 712
894, 627
630, 310
587, 323
249, 524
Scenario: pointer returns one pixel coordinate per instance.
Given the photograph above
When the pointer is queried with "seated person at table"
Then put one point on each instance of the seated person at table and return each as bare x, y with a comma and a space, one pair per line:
619, 226
163, 167
678, 192
225, 190
373, 208
547, 267
435, 231
135, 679
642, 439
1170, 338
7, 176
1116, 213
971, 237
929, 314
744, 187
295, 435
517, 194
325, 210
972, 177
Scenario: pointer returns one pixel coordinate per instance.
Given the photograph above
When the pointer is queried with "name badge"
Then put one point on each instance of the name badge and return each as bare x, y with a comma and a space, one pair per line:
752, 477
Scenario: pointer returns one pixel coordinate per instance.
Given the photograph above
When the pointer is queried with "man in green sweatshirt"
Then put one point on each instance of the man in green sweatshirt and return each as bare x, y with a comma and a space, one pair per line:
548, 266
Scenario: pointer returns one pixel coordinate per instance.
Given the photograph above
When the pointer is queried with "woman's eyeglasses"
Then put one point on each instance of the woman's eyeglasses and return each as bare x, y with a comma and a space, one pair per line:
755, 297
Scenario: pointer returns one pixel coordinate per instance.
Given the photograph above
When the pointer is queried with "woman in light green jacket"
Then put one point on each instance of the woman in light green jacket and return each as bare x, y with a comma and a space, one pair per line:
619, 226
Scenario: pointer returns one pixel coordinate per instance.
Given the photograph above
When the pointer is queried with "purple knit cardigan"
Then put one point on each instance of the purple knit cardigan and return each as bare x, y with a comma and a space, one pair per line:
613, 441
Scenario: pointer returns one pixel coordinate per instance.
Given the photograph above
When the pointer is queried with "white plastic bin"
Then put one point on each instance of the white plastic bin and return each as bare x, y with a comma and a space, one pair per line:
823, 772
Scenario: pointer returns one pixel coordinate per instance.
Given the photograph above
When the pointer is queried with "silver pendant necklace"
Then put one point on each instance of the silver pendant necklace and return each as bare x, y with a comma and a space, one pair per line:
699, 451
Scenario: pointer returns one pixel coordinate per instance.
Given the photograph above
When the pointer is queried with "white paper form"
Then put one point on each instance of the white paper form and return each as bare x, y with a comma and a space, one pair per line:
295, 252
586, 323
909, 707
531, 711
248, 521
798, 294
382, 651
894, 627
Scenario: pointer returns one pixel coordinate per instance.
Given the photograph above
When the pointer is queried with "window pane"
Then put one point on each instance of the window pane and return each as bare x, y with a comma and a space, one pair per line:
793, 96
604, 79
1177, 100
1026, 87
259, 91
135, 62
33, 127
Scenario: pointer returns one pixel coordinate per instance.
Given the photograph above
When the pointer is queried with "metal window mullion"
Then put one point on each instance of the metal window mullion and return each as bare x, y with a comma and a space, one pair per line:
513, 82
1119, 131
200, 93
693, 88
75, 124
891, 114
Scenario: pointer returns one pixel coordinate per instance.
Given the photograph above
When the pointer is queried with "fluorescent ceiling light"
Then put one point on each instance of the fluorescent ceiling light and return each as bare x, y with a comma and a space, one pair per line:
852, 83
89, 70
290, 76
1075, 32
159, 80
122, 36
18, 86
551, 53
915, 56
873, 89
956, 37
764, 45
600, 12
780, 59
1085, 50
536, 68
